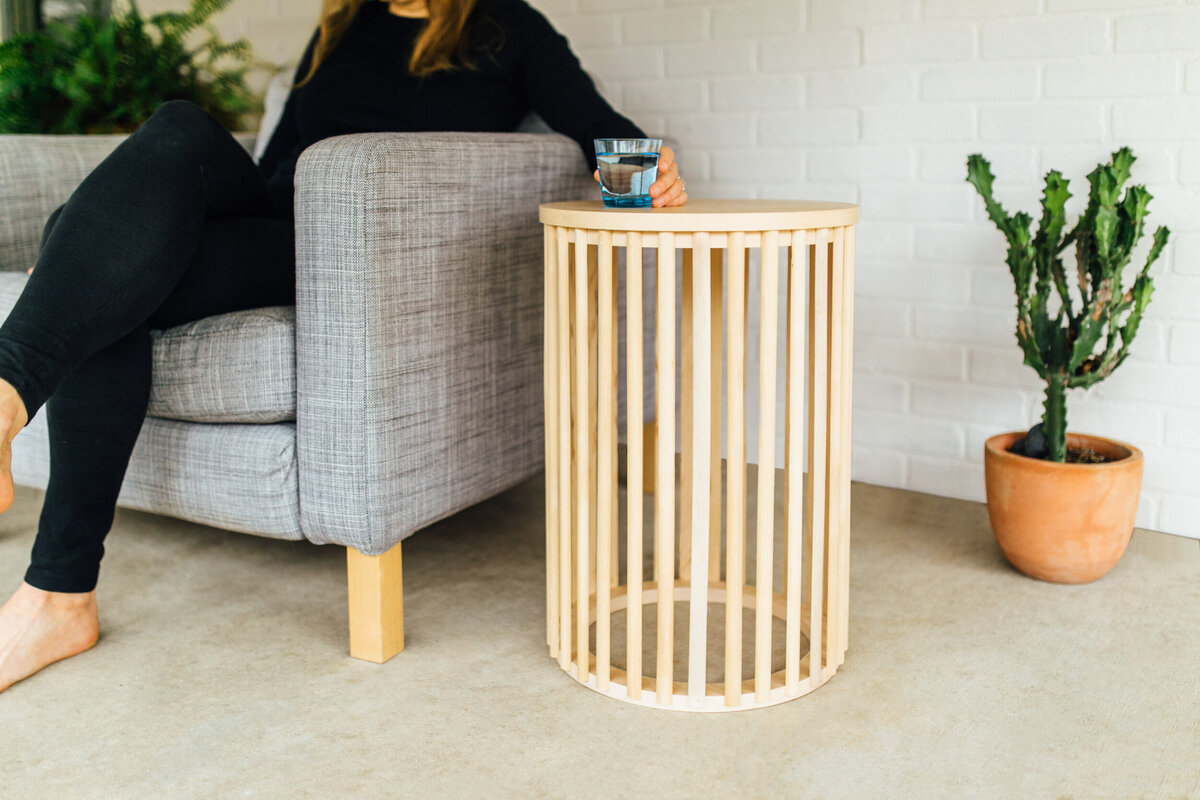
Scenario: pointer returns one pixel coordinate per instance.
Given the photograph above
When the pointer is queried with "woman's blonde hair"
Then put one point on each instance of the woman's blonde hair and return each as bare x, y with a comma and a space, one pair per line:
443, 44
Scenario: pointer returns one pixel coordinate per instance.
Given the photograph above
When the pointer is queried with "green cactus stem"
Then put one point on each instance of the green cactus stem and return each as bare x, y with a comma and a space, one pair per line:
1075, 336
1054, 418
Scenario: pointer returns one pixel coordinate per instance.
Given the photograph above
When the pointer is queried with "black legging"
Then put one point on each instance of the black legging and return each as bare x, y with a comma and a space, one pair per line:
174, 225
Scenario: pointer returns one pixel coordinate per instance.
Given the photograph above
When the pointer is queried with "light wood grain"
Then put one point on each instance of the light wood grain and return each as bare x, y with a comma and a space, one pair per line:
566, 466
634, 461
735, 526
794, 525
818, 357
765, 541
716, 267
664, 486
833, 448
376, 600
584, 535
606, 468
701, 335
550, 392
847, 400
584, 451
686, 422
702, 215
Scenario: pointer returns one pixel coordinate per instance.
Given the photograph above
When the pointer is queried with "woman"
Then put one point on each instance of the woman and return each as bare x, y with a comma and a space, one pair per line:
179, 223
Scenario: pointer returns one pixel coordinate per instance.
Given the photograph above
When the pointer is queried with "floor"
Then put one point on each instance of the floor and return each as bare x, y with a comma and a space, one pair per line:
222, 672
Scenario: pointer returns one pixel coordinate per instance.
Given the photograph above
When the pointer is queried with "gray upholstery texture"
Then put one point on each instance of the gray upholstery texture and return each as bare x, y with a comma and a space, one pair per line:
237, 367
418, 324
237, 477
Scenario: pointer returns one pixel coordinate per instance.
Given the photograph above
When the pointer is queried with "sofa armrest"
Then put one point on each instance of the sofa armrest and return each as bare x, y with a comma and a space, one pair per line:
37, 174
419, 324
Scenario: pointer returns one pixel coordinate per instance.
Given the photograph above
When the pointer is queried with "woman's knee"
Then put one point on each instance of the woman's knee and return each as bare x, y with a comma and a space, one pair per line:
181, 124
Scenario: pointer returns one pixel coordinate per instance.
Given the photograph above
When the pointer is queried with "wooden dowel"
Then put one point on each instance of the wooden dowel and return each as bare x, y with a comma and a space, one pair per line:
714, 503
818, 299
764, 573
847, 399
794, 519
833, 488
686, 422
565, 461
701, 335
606, 467
583, 427
664, 476
634, 455
735, 525
614, 508
593, 410
550, 390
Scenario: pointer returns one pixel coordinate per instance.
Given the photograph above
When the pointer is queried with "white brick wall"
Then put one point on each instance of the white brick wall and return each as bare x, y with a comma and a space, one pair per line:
879, 102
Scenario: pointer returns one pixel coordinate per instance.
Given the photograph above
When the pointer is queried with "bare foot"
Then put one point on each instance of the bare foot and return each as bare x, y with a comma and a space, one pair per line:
38, 628
12, 420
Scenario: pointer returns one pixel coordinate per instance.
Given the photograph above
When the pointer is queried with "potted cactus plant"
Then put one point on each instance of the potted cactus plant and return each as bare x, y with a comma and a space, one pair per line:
1062, 505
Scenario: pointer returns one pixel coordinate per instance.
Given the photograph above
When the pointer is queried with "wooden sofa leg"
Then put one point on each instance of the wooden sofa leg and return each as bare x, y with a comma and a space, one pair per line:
376, 594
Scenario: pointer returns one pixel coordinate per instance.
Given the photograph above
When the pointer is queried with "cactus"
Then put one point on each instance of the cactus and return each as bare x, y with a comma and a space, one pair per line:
1075, 336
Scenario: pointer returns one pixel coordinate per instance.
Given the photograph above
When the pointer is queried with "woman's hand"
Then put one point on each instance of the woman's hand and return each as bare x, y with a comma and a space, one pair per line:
669, 189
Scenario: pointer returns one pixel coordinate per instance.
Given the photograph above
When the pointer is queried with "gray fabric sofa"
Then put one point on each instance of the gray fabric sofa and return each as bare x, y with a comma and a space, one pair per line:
404, 386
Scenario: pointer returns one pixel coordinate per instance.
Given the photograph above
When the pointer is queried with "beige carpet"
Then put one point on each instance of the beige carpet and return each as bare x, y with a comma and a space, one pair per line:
222, 672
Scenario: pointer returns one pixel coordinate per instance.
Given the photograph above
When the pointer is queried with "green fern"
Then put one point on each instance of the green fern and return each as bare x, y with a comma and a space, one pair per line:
88, 75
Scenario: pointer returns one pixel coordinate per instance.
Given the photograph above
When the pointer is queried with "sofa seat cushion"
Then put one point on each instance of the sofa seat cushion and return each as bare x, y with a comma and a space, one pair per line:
237, 367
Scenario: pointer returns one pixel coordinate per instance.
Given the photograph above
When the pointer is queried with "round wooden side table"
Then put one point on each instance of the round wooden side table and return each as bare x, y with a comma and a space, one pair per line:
702, 558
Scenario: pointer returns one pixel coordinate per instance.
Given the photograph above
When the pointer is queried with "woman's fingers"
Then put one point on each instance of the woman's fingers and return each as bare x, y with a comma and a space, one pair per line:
660, 189
596, 175
674, 196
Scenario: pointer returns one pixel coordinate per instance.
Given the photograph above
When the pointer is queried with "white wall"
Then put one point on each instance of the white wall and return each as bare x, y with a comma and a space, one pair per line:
879, 102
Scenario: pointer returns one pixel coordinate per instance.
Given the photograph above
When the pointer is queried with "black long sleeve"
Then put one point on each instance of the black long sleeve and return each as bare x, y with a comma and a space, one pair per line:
286, 136
558, 89
365, 85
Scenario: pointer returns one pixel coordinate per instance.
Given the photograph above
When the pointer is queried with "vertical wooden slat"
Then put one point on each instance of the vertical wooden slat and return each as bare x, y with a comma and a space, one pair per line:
764, 573
794, 530
833, 454
847, 400
664, 475
701, 335
606, 467
787, 403
583, 427
614, 507
634, 454
593, 405
714, 503
565, 462
686, 454
550, 391
818, 299
735, 525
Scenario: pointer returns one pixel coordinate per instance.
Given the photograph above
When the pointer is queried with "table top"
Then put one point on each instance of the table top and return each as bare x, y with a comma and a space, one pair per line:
702, 215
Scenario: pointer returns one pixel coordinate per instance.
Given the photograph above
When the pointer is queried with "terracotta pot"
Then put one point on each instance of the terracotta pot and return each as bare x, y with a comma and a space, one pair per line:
1065, 523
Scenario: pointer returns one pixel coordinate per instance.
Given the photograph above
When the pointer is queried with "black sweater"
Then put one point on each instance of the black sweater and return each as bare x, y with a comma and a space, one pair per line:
364, 85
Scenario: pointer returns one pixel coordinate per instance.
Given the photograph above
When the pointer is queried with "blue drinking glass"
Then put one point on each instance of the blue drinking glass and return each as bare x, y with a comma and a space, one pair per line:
627, 169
